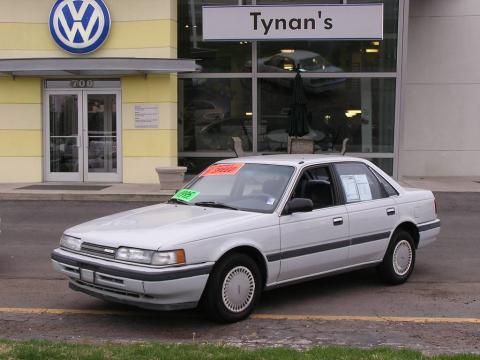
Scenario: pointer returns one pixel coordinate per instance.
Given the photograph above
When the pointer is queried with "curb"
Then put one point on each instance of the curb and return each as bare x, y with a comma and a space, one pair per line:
85, 197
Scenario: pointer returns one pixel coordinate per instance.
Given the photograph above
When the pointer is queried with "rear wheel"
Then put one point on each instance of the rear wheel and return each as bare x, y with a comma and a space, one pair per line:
233, 289
399, 261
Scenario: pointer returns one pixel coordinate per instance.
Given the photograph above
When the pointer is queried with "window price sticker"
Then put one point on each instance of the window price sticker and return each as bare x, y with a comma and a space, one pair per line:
222, 169
186, 195
356, 187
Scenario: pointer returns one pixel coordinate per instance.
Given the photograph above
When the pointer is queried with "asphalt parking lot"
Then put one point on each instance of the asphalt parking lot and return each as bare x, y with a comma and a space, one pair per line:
438, 310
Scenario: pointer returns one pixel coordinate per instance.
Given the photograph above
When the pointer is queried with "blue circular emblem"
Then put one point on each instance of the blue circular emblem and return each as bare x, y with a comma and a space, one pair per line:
80, 26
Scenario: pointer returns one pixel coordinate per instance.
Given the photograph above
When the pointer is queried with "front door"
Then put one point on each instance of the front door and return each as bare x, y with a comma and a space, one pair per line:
83, 136
314, 242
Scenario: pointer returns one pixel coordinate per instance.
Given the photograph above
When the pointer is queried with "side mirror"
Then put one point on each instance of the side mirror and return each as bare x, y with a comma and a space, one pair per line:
298, 205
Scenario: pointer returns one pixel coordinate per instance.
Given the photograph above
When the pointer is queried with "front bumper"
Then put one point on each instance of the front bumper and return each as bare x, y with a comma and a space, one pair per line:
146, 287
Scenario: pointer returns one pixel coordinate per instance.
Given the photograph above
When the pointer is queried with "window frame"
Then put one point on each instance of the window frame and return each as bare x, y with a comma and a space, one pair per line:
380, 178
338, 200
255, 75
368, 168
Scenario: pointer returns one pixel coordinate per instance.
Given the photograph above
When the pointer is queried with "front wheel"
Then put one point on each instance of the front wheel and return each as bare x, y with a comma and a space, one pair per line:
233, 289
398, 263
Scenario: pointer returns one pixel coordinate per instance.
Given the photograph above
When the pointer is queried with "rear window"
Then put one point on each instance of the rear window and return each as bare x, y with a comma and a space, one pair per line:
359, 183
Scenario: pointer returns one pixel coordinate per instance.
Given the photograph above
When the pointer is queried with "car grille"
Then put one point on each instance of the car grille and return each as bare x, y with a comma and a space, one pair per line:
98, 250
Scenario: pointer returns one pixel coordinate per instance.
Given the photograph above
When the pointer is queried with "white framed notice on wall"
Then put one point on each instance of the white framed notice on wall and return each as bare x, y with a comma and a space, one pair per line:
147, 116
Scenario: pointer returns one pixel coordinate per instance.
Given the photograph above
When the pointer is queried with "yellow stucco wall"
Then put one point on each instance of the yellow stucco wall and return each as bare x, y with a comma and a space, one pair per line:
144, 149
140, 28
20, 130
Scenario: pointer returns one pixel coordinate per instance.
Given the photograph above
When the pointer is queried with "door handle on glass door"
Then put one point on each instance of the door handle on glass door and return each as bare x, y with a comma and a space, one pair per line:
337, 221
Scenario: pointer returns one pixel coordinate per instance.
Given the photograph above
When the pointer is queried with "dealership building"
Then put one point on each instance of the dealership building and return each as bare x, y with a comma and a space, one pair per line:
108, 90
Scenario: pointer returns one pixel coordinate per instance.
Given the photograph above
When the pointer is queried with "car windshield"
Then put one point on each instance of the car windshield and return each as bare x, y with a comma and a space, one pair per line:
237, 186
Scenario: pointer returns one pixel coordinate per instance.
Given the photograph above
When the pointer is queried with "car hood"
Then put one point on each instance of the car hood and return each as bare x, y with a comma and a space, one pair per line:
166, 225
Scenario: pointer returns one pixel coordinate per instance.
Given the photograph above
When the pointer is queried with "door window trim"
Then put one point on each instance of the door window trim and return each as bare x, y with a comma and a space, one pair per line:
338, 200
343, 190
378, 176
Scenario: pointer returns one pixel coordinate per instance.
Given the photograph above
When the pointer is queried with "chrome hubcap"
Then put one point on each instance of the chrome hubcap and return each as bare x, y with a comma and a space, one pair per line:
402, 257
238, 289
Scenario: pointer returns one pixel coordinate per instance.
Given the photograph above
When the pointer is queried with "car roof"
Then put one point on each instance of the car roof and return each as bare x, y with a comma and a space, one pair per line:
300, 55
292, 159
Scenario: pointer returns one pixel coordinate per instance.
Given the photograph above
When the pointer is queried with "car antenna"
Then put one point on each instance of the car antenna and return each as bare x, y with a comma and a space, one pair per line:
344, 146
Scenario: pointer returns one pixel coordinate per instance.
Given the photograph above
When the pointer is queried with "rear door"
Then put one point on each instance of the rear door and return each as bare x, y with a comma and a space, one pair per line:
316, 241
371, 211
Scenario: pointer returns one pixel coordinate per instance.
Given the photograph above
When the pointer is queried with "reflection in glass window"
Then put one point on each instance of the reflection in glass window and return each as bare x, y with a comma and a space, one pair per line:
333, 56
384, 164
212, 111
212, 56
362, 110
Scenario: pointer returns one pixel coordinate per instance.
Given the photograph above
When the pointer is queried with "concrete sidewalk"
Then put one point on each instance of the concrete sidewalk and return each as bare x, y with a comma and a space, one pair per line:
443, 184
111, 192
151, 192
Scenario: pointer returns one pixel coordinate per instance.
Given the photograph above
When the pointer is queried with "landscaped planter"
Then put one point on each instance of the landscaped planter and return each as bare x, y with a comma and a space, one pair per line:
171, 178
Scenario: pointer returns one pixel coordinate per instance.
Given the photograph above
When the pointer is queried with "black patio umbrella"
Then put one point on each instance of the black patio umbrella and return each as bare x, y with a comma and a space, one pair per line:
298, 123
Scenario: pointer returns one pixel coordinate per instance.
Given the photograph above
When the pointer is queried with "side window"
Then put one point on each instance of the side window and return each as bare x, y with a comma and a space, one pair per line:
359, 183
316, 185
386, 185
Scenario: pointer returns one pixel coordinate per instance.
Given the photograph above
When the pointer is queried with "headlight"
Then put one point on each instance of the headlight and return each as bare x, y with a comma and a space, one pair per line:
151, 257
168, 258
134, 255
70, 242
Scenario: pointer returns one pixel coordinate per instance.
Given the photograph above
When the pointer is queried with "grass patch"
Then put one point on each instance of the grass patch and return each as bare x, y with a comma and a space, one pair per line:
33, 350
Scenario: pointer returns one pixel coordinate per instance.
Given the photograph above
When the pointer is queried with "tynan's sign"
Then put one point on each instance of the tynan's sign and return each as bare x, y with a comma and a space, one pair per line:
294, 22
79, 26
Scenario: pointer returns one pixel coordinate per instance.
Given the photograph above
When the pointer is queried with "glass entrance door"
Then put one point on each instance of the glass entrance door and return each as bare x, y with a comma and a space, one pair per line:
82, 136
101, 122
64, 150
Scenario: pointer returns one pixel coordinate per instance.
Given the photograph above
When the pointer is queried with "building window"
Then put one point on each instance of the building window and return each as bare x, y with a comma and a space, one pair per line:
362, 110
211, 112
244, 89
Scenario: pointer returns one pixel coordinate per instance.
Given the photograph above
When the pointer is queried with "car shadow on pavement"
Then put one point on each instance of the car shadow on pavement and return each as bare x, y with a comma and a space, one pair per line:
321, 290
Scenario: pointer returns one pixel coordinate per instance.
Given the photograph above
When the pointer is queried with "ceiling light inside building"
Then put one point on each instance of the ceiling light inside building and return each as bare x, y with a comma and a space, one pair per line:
352, 113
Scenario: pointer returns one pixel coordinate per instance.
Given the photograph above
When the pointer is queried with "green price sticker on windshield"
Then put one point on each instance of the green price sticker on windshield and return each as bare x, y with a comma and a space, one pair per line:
186, 195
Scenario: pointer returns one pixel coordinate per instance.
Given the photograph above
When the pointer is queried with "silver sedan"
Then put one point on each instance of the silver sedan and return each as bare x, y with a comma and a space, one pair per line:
247, 225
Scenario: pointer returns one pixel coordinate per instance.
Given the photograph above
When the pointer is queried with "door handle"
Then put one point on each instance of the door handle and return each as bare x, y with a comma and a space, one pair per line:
390, 211
337, 221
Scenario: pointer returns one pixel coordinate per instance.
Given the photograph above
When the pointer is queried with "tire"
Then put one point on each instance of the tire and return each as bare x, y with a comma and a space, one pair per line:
237, 271
399, 260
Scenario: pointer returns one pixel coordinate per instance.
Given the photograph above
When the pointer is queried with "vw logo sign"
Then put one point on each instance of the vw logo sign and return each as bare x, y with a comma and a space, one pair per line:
80, 26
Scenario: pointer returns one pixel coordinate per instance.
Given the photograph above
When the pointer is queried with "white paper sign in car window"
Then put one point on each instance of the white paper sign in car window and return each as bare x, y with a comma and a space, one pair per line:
363, 187
350, 188
356, 187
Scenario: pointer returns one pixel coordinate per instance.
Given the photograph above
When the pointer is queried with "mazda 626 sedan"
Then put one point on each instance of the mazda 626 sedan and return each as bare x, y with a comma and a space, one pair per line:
251, 224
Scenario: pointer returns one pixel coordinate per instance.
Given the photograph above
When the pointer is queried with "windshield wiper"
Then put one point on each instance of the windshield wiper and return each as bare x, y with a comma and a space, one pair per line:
215, 205
177, 201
